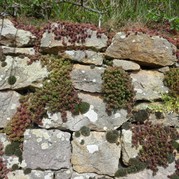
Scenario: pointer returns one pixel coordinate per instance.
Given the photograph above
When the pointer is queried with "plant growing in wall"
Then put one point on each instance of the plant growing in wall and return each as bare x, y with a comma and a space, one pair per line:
157, 144
3, 169
135, 165
56, 95
117, 89
19, 122
170, 101
171, 80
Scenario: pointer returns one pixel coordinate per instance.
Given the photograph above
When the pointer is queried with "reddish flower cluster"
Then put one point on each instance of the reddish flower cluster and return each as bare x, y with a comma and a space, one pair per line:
20, 121
156, 141
3, 168
73, 32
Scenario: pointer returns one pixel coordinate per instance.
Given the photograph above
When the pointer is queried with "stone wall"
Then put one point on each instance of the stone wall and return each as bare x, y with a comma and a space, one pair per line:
54, 148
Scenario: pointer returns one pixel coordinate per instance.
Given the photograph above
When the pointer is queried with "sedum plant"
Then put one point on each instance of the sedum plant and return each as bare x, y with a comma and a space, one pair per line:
117, 89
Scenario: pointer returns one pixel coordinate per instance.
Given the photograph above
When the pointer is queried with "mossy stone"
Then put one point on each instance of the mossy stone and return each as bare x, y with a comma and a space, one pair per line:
82, 142
12, 80
84, 107
3, 64
112, 136
12, 148
27, 171
77, 134
15, 167
121, 172
85, 131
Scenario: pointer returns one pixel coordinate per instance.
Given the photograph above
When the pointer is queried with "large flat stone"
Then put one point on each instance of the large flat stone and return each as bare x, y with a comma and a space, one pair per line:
11, 36
17, 51
46, 149
87, 79
96, 118
8, 106
35, 174
88, 176
50, 45
26, 75
86, 56
148, 85
145, 50
126, 65
96, 155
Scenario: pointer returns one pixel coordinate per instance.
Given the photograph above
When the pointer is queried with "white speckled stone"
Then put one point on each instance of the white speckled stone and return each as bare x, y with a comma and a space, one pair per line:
9, 101
53, 151
96, 155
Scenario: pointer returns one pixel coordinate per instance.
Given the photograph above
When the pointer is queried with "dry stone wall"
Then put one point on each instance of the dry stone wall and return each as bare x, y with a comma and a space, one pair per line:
78, 147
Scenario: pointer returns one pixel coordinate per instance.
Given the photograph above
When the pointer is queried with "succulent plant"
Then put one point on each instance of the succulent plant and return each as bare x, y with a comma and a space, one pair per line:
3, 168
156, 141
117, 89
19, 122
172, 80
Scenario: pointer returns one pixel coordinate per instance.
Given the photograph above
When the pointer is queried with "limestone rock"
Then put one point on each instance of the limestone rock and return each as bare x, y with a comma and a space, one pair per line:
126, 65
8, 106
35, 174
128, 151
86, 78
17, 51
11, 36
46, 149
26, 75
88, 176
86, 56
145, 50
148, 85
50, 45
96, 155
165, 118
4, 140
96, 118
148, 174
63, 174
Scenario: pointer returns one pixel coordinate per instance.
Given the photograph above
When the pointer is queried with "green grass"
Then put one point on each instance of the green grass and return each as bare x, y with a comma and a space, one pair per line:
113, 12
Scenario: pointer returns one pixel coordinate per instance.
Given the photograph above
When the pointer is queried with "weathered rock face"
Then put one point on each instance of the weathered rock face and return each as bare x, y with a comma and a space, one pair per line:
50, 45
148, 85
26, 75
88, 176
93, 156
86, 56
145, 50
47, 149
126, 65
17, 51
96, 118
128, 151
8, 106
10, 36
62, 150
35, 174
162, 173
86, 78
